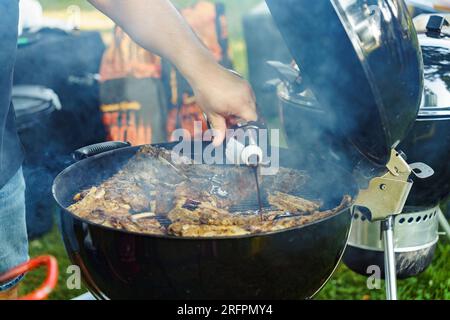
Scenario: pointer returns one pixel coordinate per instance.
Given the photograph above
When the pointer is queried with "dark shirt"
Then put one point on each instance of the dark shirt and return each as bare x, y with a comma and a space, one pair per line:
10, 149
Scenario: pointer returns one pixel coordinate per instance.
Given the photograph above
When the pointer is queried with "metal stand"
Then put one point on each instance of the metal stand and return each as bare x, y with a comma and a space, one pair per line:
444, 223
390, 271
393, 187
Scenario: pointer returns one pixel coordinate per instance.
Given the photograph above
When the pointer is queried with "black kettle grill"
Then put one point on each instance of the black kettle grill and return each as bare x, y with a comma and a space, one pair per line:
369, 77
417, 234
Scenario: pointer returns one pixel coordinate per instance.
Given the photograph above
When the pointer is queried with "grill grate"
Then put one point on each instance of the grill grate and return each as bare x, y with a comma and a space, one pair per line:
247, 207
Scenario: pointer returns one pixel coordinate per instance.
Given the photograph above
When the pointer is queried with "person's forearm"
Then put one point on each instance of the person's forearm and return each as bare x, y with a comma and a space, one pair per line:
157, 26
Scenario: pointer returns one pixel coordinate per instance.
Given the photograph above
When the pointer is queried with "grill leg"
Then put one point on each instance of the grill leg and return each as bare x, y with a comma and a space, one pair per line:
390, 271
444, 223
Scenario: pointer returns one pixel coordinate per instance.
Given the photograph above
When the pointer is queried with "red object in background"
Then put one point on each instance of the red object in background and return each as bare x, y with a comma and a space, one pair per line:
127, 126
124, 58
47, 286
131, 103
186, 118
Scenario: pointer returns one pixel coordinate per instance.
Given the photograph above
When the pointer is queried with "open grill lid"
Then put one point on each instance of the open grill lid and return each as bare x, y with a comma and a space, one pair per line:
362, 60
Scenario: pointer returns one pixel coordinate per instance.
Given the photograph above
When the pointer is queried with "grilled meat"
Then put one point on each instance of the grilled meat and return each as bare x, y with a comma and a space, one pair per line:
288, 203
205, 231
194, 200
208, 214
94, 201
126, 222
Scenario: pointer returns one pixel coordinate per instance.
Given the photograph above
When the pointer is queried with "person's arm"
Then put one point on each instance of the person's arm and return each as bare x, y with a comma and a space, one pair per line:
157, 26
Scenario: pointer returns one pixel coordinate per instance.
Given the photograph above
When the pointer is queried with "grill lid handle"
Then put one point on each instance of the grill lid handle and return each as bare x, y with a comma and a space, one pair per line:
95, 149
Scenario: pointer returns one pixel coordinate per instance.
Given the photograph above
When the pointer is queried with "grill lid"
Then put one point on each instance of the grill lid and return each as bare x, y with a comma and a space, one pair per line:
362, 60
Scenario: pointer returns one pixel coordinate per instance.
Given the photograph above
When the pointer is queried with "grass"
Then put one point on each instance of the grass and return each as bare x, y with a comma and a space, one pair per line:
434, 283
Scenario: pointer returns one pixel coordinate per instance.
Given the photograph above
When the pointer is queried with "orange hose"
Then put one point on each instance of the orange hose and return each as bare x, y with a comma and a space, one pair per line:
47, 286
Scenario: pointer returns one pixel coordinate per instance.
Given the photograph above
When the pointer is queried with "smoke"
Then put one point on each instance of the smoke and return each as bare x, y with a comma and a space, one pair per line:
309, 128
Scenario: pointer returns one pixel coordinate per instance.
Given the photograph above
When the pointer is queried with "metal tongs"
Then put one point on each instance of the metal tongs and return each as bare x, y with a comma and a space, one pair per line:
245, 148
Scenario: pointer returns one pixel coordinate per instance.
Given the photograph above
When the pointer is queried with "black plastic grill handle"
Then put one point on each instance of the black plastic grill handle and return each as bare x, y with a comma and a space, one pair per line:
95, 149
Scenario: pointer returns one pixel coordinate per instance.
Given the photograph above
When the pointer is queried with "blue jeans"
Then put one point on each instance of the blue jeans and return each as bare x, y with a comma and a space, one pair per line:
13, 231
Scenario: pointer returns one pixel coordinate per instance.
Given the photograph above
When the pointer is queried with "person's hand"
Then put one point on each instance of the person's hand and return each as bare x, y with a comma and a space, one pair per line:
220, 93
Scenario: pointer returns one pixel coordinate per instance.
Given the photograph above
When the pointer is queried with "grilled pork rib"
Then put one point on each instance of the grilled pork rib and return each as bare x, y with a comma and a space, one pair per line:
154, 195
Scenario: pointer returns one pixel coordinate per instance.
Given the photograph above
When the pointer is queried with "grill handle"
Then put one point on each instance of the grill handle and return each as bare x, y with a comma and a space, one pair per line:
95, 149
